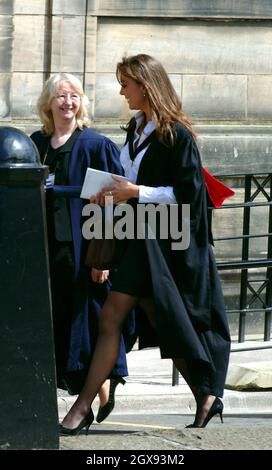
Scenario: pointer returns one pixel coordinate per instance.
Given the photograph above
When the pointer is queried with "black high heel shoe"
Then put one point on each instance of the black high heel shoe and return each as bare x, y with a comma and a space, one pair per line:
106, 409
216, 408
84, 423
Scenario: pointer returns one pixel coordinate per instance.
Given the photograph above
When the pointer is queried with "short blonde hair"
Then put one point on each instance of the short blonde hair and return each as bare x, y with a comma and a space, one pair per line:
49, 91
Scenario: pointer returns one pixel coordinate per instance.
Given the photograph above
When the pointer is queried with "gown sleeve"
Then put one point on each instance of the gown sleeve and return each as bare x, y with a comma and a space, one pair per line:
108, 158
188, 180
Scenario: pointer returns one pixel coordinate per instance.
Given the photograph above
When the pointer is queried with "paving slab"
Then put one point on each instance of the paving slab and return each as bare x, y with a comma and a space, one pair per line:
149, 387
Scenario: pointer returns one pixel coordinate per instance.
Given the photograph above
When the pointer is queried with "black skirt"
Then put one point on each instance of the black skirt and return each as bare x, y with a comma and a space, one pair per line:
133, 275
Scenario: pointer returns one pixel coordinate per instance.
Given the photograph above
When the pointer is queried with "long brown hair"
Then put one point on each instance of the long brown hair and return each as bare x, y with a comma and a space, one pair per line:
164, 101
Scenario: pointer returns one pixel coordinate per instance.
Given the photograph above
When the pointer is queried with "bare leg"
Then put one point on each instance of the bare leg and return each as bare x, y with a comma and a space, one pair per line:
113, 313
104, 392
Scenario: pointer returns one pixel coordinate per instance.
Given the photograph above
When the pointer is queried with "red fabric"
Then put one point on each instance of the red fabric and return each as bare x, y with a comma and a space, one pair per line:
217, 191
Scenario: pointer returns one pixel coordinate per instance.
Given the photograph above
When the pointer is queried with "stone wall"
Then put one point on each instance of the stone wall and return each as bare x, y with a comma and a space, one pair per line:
218, 54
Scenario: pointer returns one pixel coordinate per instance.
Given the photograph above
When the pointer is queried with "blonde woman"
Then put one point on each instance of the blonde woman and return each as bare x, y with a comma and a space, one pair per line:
68, 146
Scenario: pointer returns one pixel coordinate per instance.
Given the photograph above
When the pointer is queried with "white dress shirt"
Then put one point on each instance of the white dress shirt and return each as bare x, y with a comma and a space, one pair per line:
147, 194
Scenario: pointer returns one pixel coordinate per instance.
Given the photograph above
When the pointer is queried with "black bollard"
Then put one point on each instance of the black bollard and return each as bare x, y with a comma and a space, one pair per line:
28, 401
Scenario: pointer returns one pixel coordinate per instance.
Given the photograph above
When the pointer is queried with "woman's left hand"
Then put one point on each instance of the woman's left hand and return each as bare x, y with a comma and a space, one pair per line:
121, 191
99, 276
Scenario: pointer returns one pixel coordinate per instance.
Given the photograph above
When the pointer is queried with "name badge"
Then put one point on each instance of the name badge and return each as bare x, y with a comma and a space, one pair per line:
50, 181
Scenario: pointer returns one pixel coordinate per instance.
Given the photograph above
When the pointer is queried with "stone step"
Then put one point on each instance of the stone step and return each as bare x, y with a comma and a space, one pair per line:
251, 376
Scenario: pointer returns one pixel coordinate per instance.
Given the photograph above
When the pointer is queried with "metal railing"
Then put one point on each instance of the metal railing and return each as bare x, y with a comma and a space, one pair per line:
248, 293
255, 185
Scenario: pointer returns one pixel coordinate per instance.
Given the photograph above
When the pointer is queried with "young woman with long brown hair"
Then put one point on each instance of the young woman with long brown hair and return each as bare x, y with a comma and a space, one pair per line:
179, 290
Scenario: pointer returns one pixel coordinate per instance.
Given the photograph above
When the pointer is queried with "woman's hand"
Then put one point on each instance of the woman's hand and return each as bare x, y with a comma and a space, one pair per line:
121, 191
98, 198
99, 276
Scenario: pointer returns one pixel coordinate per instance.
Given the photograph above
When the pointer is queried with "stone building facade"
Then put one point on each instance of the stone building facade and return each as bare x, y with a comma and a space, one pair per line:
218, 54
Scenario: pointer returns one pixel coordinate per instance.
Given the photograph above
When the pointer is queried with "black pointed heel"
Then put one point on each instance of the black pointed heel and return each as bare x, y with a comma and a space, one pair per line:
216, 409
106, 409
85, 423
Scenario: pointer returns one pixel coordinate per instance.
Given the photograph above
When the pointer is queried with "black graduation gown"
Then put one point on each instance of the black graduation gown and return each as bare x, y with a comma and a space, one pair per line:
190, 313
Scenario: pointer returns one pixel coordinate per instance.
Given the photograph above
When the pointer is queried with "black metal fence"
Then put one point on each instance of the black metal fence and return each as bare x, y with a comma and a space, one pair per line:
256, 186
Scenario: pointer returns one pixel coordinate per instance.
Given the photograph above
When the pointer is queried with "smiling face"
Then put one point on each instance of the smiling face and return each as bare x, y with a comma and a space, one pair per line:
133, 92
66, 103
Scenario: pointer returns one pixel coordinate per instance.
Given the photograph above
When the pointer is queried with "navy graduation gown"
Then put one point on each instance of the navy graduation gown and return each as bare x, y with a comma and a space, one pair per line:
89, 150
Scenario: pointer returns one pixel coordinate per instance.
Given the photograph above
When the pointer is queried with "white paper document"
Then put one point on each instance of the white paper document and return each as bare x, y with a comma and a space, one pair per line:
95, 180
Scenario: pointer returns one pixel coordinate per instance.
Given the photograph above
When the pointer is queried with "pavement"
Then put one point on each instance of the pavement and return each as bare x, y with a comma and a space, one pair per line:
149, 395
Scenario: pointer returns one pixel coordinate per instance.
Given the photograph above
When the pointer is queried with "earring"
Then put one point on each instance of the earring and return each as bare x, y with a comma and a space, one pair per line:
144, 95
